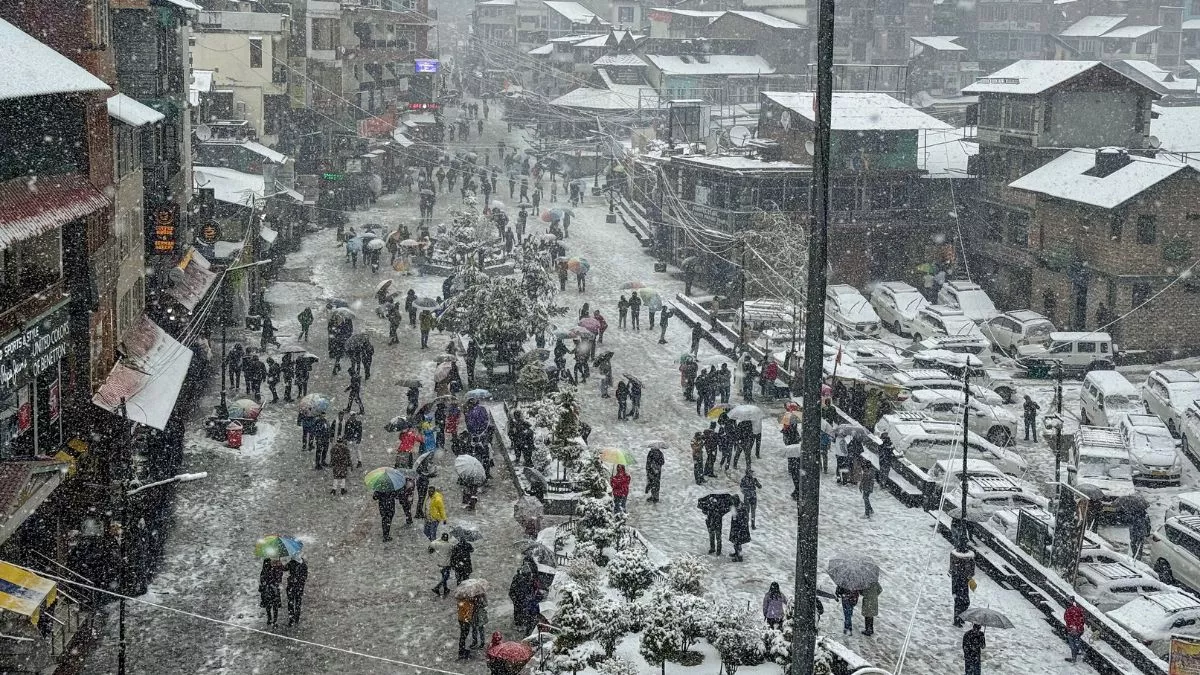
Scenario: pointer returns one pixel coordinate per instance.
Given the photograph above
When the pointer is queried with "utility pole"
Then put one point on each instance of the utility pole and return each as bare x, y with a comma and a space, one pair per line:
742, 293
804, 633
962, 520
123, 541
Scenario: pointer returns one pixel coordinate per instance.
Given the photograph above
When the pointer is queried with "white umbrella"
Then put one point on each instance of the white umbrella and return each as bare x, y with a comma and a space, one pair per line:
746, 412
375, 244
469, 470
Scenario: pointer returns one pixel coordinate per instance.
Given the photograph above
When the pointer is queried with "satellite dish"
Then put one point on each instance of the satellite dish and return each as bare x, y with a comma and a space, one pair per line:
810, 148
738, 136
203, 132
786, 120
1154, 142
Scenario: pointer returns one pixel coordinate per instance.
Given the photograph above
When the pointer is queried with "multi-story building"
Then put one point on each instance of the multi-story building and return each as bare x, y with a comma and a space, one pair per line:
1028, 112
1008, 30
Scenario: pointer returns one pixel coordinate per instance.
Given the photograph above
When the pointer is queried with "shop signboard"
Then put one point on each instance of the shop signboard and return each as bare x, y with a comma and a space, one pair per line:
35, 348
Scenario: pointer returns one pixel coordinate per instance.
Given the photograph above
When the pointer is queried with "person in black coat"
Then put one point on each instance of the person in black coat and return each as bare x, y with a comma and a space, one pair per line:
268, 589
367, 355
268, 334
739, 528
725, 439
414, 400
273, 373
287, 369
354, 434
387, 511
887, 454
303, 368
710, 450
460, 560
654, 466
973, 643
297, 571
715, 506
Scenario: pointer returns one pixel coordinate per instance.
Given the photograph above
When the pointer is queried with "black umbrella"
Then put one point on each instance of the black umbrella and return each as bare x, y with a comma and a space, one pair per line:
853, 572
983, 616
1091, 491
1131, 504
717, 502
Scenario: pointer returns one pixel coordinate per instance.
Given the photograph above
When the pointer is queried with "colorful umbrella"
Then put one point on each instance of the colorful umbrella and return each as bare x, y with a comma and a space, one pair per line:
545, 217
248, 408
927, 268
516, 654
590, 323
650, 298
581, 333
314, 404
385, 479
579, 264
634, 285
617, 456
789, 418
276, 546
717, 410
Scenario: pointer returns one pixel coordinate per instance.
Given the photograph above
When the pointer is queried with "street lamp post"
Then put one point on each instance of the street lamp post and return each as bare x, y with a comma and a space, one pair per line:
596, 180
223, 407
612, 214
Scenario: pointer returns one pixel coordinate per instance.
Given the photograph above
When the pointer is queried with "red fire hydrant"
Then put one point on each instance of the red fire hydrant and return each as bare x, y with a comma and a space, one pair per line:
233, 435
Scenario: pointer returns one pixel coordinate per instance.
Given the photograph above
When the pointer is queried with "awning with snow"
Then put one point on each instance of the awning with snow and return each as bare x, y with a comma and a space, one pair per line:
24, 592
131, 111
148, 376
197, 278
29, 208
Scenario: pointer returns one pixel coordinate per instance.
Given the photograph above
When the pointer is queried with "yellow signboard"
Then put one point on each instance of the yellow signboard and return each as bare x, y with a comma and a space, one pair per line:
1185, 656
24, 592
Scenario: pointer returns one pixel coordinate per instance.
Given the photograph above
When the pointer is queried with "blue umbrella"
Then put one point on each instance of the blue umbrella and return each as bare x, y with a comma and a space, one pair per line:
479, 393
277, 546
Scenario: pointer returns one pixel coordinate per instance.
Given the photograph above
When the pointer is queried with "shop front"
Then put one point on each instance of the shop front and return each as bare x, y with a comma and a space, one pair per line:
31, 386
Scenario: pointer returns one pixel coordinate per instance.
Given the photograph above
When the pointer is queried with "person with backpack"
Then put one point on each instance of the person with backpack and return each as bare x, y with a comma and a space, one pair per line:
305, 317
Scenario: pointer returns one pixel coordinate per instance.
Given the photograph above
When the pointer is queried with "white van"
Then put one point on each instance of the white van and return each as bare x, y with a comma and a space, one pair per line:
924, 440
1105, 396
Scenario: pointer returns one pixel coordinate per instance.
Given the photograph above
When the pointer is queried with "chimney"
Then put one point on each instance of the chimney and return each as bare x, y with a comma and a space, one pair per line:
1108, 161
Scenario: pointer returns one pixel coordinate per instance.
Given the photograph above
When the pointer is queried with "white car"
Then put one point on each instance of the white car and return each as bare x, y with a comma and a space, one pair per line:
1184, 504
1098, 554
931, 378
1109, 585
955, 363
988, 494
924, 440
1152, 619
1075, 352
849, 312
897, 304
992, 422
939, 320
1102, 460
1168, 393
1151, 450
1007, 520
1013, 329
970, 298
1175, 551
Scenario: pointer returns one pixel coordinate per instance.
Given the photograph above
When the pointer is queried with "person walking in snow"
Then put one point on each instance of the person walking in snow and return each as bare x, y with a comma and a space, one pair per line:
620, 489
711, 445
1073, 619
297, 579
269, 597
233, 363
887, 454
724, 382
603, 326
973, 644
635, 398
622, 399
436, 514
460, 560
654, 466
354, 392
303, 369
305, 317
410, 306
739, 528
339, 462
635, 309
849, 600
774, 606
318, 439
1030, 410
287, 369
441, 549
866, 484
662, 322
697, 335
273, 372
698, 458
387, 511
622, 311
715, 507
870, 607
427, 324
743, 439
750, 486
962, 573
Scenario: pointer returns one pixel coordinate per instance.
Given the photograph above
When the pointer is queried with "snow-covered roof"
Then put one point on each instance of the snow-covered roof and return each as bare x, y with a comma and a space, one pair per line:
944, 152
1030, 76
571, 11
1162, 79
717, 64
605, 99
260, 149
941, 43
541, 51
34, 69
131, 111
186, 4
499, 3
229, 185
1065, 177
766, 19
619, 60
572, 38
1130, 32
860, 111
596, 41
1092, 26
1177, 128
148, 377
692, 13
1191, 24
740, 163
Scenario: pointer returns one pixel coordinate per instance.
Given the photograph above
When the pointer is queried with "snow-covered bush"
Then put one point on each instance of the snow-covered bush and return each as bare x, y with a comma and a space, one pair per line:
575, 659
574, 618
584, 571
685, 615
617, 666
611, 619
729, 630
532, 381
660, 640
596, 522
776, 648
686, 575
593, 477
631, 572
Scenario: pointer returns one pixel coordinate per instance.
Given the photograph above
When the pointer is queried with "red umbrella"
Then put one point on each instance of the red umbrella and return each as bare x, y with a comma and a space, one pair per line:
516, 653
545, 216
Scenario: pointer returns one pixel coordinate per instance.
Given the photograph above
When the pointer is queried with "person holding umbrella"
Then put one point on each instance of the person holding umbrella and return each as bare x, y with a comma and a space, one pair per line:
318, 438
750, 486
714, 507
620, 489
233, 363
849, 599
739, 528
273, 372
297, 579
654, 466
460, 561
635, 397
387, 511
410, 306
269, 598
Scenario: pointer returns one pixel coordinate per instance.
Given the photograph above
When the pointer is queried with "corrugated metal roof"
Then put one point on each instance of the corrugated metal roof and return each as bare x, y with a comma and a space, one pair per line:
33, 69
131, 111
197, 278
148, 377
29, 207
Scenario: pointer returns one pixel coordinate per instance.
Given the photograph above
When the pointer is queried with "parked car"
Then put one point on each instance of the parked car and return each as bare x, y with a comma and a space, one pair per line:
1168, 393
932, 378
1006, 520
1154, 618
940, 320
1184, 504
1077, 352
1013, 329
956, 363
989, 494
1175, 551
1151, 450
970, 298
1091, 553
1189, 432
992, 422
849, 312
1109, 585
946, 473
1105, 396
897, 304
925, 440
1101, 459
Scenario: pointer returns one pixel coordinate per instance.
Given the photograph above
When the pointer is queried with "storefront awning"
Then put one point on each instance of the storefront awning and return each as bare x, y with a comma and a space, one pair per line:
195, 281
29, 208
24, 592
148, 377
23, 488
268, 234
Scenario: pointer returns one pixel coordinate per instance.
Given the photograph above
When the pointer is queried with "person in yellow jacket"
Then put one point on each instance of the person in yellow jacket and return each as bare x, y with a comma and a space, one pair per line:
436, 513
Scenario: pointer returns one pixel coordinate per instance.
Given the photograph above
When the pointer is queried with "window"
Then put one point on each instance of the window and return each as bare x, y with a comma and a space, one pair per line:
1018, 229
1086, 347
101, 24
326, 34
1114, 227
129, 152
1145, 229
256, 52
625, 16
1141, 293
989, 113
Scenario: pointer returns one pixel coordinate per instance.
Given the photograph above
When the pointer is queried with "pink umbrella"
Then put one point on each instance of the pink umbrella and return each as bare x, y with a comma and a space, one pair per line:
590, 323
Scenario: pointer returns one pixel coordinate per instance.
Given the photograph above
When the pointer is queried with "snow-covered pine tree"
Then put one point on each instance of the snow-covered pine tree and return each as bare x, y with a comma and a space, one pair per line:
631, 572
611, 618
617, 666
574, 618
686, 575
730, 631
593, 476
660, 639
532, 382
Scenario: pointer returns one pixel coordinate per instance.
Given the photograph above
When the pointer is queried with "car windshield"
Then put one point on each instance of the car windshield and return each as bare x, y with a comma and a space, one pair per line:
1154, 432
1094, 466
975, 300
910, 302
1114, 402
960, 327
1038, 331
1183, 393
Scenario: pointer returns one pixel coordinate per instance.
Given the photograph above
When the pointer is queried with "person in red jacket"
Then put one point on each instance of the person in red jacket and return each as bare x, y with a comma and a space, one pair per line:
620, 488
1073, 617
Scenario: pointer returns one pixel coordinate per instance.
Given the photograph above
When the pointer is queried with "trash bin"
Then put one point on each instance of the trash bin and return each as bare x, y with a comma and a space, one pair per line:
233, 435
